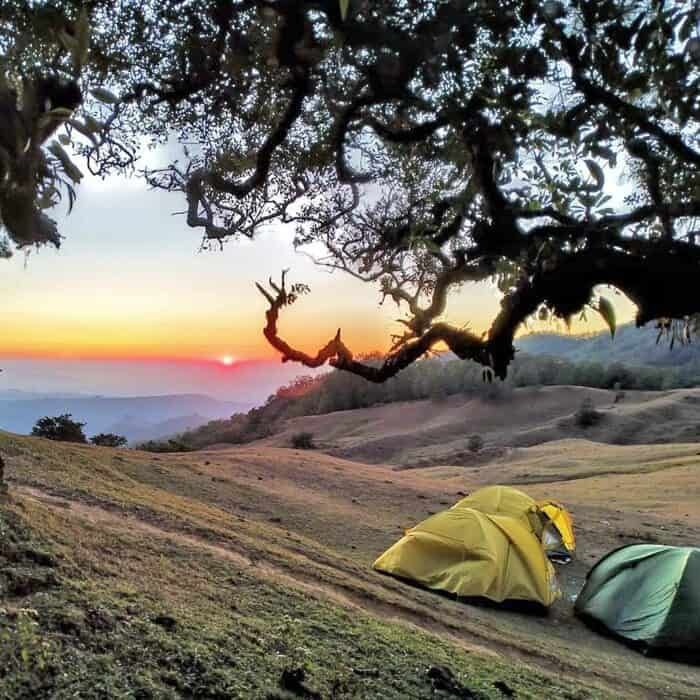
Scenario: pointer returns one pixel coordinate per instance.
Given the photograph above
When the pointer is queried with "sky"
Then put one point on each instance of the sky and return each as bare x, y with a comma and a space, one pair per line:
129, 305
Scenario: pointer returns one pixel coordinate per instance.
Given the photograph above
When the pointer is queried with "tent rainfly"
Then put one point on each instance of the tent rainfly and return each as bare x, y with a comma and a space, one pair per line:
648, 595
492, 544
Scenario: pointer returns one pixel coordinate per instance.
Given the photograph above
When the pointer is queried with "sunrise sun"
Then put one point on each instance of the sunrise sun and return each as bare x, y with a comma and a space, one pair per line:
227, 360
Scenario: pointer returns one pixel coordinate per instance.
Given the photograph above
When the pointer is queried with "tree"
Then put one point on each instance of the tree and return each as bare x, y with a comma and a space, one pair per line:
109, 440
425, 144
3, 483
303, 441
61, 428
475, 443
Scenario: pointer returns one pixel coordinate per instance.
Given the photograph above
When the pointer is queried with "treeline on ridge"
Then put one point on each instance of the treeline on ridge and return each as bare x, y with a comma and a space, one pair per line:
434, 378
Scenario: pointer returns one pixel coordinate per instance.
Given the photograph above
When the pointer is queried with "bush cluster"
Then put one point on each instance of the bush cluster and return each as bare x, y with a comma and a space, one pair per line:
61, 428
64, 429
109, 440
475, 443
303, 441
587, 415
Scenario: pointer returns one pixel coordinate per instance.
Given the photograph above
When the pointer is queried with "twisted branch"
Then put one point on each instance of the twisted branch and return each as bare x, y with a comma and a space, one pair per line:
662, 284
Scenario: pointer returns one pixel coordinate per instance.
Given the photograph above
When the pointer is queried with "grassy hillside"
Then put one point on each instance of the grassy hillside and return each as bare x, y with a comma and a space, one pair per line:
229, 573
437, 379
438, 432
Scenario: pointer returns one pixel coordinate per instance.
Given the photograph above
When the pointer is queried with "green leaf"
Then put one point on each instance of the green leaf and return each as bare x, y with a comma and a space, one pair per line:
84, 129
104, 95
685, 28
69, 167
45, 201
68, 42
92, 124
606, 310
58, 113
597, 172
344, 5
82, 34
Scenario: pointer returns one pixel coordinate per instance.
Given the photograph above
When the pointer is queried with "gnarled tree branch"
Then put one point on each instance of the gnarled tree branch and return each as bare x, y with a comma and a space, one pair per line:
662, 284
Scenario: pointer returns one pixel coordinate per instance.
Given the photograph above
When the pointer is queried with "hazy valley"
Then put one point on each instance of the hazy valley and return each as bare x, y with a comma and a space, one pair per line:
137, 418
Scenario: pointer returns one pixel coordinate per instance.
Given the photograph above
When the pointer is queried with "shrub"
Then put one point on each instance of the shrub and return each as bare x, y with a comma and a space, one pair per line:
108, 440
172, 445
586, 416
303, 441
61, 428
475, 443
619, 394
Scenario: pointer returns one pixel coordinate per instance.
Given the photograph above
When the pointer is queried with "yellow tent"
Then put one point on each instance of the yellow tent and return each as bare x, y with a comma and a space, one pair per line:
490, 544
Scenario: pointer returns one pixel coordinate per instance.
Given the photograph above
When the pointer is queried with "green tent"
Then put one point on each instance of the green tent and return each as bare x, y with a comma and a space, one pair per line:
649, 595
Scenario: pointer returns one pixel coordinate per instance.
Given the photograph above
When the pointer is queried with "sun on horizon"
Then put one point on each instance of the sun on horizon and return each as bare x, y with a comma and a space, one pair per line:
227, 360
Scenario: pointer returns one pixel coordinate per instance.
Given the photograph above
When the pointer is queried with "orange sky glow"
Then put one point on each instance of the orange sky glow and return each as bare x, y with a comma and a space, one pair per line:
99, 331
128, 283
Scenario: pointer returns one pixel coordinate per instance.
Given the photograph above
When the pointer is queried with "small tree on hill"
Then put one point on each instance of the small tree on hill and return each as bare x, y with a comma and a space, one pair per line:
475, 443
108, 440
171, 445
61, 428
3, 485
303, 441
587, 415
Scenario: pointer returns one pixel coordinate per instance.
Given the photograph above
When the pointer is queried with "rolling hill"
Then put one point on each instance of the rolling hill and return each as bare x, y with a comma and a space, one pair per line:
426, 433
246, 572
447, 379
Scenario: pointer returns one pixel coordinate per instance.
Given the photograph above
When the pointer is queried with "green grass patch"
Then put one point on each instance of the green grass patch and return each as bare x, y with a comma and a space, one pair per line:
118, 614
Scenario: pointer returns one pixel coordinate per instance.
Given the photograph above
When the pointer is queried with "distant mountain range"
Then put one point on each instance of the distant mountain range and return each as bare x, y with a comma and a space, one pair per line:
630, 346
137, 418
142, 418
21, 395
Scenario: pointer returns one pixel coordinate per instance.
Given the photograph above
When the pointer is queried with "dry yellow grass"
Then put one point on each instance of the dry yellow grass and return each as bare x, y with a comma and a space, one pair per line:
429, 433
314, 523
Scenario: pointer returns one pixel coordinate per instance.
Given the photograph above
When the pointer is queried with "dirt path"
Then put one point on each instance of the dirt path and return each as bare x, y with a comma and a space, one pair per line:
386, 602
259, 567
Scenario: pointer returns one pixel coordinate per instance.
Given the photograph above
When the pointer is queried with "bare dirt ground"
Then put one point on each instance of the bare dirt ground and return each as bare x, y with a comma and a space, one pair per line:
316, 522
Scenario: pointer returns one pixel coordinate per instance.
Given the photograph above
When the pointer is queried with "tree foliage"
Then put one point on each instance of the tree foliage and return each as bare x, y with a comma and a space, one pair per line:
426, 144
61, 428
586, 414
303, 441
109, 440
